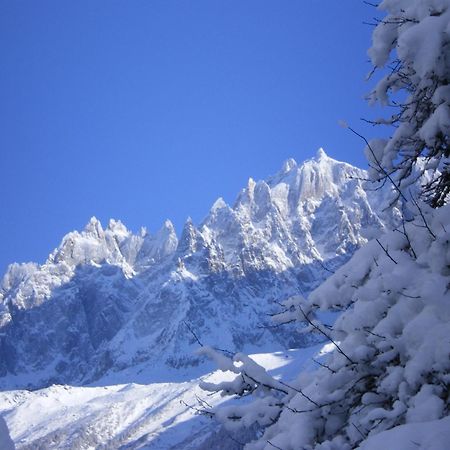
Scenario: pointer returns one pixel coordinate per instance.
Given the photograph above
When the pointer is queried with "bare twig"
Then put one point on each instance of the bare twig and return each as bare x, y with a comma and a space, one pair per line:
300, 392
277, 325
324, 365
375, 5
407, 238
409, 296
374, 334
422, 215
193, 334
386, 251
380, 167
327, 336
235, 440
203, 412
203, 402
325, 268
199, 342
274, 446
359, 431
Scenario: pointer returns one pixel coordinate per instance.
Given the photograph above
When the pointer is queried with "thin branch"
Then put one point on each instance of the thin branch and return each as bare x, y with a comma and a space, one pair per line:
360, 432
193, 334
202, 402
277, 325
258, 383
324, 365
409, 296
228, 352
375, 5
325, 268
374, 334
407, 238
326, 335
274, 446
387, 253
422, 215
386, 174
235, 440
300, 392
203, 412
201, 344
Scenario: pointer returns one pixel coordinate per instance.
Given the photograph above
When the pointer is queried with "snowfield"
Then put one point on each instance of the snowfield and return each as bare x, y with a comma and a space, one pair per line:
138, 415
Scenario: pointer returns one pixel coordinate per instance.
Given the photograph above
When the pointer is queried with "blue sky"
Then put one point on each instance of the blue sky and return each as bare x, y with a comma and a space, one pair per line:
144, 110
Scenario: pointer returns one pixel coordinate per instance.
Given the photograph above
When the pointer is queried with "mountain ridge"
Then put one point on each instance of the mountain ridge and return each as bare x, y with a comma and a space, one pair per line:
106, 298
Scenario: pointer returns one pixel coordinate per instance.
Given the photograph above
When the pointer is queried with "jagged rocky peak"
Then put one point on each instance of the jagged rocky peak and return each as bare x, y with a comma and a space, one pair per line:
189, 238
121, 286
303, 213
94, 227
218, 215
92, 245
217, 205
255, 200
296, 188
167, 233
262, 200
321, 154
288, 165
15, 275
313, 180
115, 245
166, 238
117, 228
245, 197
155, 248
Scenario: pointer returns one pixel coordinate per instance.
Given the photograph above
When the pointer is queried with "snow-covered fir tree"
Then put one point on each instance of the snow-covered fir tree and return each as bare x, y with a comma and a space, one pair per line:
412, 42
386, 383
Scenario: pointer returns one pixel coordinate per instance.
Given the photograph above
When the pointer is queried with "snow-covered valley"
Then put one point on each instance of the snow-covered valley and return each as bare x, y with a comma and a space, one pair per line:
154, 411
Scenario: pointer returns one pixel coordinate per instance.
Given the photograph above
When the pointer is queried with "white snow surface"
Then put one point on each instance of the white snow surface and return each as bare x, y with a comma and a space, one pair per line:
432, 435
149, 413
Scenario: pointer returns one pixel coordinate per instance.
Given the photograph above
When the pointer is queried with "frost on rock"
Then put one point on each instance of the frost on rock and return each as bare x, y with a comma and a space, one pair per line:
391, 361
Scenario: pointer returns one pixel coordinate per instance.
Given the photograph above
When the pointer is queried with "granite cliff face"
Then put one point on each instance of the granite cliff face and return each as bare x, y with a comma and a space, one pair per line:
107, 299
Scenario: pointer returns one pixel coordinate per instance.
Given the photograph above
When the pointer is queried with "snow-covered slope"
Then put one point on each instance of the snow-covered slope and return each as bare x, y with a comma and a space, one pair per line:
154, 412
107, 299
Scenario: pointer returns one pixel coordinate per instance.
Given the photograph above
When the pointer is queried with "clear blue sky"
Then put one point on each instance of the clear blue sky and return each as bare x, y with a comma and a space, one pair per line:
150, 109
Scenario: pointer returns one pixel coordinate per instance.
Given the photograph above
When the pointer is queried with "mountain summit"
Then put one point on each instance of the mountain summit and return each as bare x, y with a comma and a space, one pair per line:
107, 299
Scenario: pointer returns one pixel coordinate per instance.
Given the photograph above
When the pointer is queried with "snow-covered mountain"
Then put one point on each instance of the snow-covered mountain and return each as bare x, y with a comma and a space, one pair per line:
107, 299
